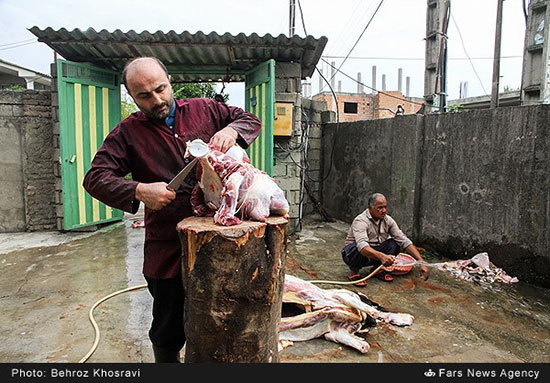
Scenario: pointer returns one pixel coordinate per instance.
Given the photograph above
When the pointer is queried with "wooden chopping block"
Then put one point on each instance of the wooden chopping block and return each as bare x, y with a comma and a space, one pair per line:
233, 278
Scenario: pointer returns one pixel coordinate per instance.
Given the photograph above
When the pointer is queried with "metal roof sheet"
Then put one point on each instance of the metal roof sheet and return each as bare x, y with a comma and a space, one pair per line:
188, 57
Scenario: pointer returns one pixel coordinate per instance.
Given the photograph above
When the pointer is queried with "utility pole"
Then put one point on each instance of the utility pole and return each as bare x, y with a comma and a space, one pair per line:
435, 72
292, 18
535, 84
496, 59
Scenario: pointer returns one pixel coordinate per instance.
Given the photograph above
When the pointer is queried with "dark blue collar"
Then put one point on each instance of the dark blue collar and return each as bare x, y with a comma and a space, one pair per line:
172, 117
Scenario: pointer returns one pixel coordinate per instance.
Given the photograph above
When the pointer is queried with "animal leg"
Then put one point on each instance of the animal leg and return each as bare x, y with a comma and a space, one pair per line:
228, 202
200, 209
340, 333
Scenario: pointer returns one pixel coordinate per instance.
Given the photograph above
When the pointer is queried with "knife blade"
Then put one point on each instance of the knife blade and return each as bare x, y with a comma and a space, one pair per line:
178, 179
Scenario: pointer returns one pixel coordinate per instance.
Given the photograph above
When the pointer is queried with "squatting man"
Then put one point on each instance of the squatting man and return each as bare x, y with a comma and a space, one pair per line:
374, 238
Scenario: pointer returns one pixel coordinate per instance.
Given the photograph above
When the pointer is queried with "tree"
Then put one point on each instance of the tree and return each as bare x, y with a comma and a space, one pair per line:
181, 90
127, 105
509, 89
193, 90
16, 88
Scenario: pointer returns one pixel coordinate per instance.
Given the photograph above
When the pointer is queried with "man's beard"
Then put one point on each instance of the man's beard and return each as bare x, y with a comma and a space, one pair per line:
156, 114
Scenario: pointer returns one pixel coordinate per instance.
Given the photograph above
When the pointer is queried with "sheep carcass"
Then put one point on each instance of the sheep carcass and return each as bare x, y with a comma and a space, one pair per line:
229, 184
336, 314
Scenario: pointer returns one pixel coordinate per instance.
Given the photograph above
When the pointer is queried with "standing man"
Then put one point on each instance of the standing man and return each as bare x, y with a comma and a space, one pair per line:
150, 145
373, 239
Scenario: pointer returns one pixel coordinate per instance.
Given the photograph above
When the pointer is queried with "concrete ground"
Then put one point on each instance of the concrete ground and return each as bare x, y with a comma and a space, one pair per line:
49, 282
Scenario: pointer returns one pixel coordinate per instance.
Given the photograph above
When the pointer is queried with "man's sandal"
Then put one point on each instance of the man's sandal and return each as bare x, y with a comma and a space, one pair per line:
384, 276
356, 277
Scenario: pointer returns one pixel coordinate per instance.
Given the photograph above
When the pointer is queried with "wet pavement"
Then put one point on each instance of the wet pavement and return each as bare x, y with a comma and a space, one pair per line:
49, 282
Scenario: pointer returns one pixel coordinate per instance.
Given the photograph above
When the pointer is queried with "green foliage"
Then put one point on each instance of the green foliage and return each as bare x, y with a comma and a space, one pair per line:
456, 108
194, 90
127, 108
15, 88
186, 90
509, 89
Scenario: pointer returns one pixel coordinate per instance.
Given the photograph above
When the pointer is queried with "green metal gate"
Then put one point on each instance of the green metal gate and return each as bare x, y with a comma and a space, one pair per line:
260, 100
89, 108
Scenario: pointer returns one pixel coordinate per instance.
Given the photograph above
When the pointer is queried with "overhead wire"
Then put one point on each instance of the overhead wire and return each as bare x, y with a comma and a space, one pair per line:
17, 46
416, 58
360, 36
386, 93
371, 88
343, 31
335, 100
17, 42
467, 55
352, 30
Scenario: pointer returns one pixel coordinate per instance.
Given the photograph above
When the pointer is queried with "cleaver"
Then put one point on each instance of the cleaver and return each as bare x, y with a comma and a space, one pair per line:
178, 179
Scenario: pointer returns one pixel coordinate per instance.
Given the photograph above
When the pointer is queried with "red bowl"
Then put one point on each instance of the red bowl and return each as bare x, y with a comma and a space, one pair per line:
402, 265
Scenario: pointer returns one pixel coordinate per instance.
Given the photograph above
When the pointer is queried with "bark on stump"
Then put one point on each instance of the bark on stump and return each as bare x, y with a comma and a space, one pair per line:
233, 278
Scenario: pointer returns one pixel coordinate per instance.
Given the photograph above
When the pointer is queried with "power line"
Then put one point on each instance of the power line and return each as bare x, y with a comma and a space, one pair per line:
361, 35
17, 46
381, 92
344, 31
415, 58
302, 17
464, 47
371, 88
335, 98
17, 42
352, 29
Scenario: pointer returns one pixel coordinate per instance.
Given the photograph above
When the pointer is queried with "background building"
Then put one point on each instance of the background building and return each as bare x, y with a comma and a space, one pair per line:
15, 75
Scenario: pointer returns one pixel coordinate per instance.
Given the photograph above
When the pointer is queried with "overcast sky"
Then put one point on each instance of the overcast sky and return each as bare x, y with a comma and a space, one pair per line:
394, 39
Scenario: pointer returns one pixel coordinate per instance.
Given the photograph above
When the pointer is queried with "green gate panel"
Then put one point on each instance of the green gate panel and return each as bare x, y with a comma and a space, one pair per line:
89, 108
260, 100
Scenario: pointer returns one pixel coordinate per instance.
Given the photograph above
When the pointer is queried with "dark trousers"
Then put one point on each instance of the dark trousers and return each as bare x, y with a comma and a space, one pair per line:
356, 261
168, 298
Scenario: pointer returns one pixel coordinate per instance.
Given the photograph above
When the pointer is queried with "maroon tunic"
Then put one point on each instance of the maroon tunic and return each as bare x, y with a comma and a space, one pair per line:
152, 152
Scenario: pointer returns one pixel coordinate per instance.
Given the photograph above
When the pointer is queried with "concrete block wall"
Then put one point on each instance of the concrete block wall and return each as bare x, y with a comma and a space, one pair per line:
457, 184
26, 196
314, 114
12, 199
286, 159
371, 156
485, 187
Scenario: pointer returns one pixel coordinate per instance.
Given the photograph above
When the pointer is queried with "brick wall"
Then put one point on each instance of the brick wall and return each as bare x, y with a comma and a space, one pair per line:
27, 202
370, 106
364, 101
390, 100
58, 181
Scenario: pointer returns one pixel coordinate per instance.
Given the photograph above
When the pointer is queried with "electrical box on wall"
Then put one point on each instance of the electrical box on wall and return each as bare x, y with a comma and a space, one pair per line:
282, 126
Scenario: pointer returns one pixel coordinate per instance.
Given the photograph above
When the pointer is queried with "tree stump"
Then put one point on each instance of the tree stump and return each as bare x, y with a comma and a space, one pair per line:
233, 278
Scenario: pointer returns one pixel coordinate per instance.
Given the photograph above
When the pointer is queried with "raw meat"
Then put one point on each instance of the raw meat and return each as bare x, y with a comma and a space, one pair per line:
229, 184
478, 268
336, 314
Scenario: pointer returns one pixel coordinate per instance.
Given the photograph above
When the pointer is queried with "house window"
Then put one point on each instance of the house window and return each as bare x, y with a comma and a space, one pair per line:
350, 107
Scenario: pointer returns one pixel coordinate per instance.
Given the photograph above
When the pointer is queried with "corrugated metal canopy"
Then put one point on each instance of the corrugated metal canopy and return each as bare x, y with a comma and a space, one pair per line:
188, 57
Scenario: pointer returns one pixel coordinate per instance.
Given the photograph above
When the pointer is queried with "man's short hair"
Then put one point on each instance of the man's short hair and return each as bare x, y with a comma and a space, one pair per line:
125, 70
373, 197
